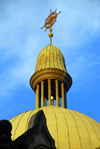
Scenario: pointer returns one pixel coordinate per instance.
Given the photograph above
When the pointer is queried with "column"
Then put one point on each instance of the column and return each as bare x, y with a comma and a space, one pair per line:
45, 101
56, 85
37, 96
65, 98
52, 102
49, 91
42, 93
62, 94
59, 101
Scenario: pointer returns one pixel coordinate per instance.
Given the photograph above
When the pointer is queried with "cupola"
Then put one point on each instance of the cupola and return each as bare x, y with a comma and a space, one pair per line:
51, 80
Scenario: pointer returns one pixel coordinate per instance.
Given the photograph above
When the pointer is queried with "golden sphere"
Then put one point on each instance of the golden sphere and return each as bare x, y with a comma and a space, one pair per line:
50, 34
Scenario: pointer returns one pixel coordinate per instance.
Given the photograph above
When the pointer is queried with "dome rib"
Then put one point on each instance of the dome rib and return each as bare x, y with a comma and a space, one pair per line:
43, 60
85, 127
18, 124
92, 136
93, 127
61, 62
98, 125
11, 120
49, 56
31, 114
53, 58
67, 127
76, 126
63, 138
28, 120
57, 59
56, 127
46, 58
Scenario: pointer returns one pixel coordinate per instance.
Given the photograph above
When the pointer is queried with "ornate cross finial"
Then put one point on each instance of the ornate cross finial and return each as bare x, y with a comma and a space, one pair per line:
51, 19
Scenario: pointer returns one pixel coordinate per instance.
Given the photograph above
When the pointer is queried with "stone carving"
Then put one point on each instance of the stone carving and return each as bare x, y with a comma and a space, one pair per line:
37, 137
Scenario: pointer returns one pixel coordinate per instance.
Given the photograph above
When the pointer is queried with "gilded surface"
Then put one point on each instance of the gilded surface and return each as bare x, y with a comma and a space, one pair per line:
50, 57
70, 129
51, 19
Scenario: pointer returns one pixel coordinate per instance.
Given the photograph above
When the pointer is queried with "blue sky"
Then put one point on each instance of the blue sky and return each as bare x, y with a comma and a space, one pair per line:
76, 34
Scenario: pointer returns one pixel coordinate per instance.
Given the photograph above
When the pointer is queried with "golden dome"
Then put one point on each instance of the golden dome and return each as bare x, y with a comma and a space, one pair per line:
70, 129
50, 57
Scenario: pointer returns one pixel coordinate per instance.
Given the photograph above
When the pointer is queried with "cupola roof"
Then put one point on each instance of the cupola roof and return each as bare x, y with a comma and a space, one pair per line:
50, 57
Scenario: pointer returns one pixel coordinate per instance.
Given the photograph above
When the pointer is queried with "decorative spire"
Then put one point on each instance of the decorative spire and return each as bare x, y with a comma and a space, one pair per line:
51, 19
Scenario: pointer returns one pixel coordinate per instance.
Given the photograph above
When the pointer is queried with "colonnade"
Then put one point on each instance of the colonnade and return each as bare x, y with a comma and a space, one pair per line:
41, 101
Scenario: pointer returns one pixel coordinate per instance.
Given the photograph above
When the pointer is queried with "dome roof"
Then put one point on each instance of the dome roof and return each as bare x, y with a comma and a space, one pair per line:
50, 57
69, 128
